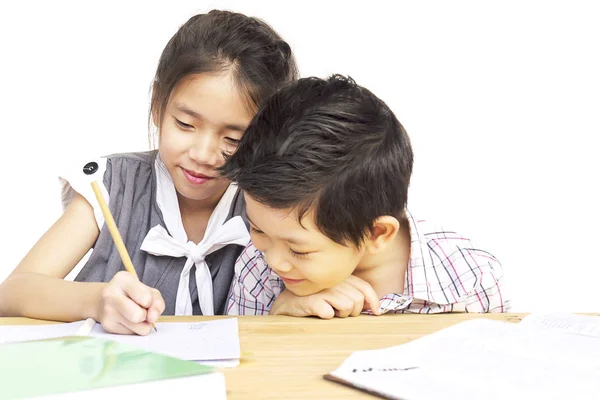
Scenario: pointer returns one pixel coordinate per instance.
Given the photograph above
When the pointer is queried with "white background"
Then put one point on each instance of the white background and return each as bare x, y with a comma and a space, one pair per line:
501, 100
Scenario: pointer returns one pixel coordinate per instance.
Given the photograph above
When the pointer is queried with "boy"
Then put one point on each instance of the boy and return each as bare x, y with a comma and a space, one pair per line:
325, 168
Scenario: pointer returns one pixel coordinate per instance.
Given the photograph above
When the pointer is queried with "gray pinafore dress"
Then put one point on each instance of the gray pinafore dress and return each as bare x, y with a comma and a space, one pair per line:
130, 183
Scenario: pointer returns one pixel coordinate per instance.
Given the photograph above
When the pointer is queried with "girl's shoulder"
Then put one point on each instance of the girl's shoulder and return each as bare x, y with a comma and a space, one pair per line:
135, 169
118, 175
143, 160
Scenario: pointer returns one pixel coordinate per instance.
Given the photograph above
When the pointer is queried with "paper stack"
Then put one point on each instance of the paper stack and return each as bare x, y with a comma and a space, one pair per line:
544, 356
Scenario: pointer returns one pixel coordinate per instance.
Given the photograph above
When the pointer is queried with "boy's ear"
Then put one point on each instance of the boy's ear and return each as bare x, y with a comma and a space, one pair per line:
385, 229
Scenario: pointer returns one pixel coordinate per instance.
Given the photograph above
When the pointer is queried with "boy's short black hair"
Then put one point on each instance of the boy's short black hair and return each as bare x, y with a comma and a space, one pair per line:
330, 146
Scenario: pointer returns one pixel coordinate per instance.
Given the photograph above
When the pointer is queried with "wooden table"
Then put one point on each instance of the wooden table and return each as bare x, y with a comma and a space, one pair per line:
286, 358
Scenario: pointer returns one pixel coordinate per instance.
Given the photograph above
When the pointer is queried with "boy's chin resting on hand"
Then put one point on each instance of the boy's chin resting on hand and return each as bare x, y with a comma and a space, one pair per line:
347, 299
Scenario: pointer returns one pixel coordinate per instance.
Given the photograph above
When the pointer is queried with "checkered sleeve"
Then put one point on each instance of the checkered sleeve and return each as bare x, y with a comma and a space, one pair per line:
251, 290
489, 293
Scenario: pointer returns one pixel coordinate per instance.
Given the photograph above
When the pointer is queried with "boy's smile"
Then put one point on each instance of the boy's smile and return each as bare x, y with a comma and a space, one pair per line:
288, 281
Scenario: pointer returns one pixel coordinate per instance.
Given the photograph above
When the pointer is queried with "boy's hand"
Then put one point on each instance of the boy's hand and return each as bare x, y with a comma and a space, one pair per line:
349, 298
127, 306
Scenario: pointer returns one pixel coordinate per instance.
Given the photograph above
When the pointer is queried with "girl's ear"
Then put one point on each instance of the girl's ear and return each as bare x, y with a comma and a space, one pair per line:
385, 229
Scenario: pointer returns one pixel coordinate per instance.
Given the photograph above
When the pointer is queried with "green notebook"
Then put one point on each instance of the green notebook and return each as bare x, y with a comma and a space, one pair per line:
71, 364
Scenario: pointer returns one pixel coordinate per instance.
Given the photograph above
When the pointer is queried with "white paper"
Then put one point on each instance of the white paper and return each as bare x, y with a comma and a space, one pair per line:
565, 322
216, 342
230, 363
22, 333
481, 359
198, 341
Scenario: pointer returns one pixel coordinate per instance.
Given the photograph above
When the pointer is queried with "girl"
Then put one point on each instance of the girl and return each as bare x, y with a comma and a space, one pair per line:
181, 223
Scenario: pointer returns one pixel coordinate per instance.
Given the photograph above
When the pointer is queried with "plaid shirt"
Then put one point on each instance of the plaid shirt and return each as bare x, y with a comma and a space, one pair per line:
445, 274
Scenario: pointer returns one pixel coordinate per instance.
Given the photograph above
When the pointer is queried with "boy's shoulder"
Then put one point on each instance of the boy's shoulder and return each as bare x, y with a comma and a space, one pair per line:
434, 236
250, 254
253, 271
445, 267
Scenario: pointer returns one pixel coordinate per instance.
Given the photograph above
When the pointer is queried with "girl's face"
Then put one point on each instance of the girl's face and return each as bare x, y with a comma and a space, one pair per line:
205, 116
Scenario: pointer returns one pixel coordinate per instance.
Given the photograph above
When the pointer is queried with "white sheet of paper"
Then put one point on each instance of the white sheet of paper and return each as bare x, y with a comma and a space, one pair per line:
198, 341
22, 333
587, 325
481, 359
232, 363
214, 343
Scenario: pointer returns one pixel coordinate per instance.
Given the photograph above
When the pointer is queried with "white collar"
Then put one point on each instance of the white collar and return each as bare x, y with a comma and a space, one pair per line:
218, 234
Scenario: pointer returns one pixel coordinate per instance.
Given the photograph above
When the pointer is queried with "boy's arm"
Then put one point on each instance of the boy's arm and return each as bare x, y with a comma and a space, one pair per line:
252, 290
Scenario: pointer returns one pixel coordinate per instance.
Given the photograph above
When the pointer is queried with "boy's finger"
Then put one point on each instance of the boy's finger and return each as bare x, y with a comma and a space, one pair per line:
321, 309
355, 295
374, 304
371, 298
358, 308
340, 302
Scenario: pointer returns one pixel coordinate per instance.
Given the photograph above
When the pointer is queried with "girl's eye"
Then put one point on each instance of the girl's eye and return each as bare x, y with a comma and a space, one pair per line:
232, 141
253, 229
298, 254
182, 125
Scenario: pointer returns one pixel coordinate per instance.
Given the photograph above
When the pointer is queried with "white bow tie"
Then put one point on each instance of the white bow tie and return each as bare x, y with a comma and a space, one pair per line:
160, 243
217, 235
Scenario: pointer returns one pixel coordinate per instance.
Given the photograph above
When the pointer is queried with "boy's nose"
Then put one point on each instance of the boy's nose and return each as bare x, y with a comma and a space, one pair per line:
277, 264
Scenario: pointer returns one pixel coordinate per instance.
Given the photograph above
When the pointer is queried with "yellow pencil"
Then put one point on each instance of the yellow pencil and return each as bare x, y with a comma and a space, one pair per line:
110, 222
112, 227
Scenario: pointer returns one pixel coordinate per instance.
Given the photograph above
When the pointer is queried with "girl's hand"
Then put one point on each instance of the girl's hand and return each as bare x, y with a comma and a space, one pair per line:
127, 306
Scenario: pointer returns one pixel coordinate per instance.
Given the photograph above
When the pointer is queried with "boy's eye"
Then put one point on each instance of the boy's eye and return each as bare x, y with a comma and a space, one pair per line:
298, 254
181, 124
253, 229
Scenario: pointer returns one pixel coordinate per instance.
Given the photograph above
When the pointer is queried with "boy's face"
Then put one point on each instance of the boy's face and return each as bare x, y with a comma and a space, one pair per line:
306, 260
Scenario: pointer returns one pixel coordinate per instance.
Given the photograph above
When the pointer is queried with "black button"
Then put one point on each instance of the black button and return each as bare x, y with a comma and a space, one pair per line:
90, 168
